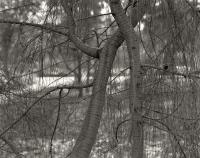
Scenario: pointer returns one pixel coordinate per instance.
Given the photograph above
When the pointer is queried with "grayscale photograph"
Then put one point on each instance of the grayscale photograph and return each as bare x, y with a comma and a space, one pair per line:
99, 78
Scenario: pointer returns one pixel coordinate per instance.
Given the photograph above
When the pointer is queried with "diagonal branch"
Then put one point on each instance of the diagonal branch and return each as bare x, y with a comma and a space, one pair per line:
91, 51
38, 100
88, 133
44, 27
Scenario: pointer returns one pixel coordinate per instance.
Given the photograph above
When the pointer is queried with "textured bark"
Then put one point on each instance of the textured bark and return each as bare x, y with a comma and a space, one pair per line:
130, 37
91, 123
6, 43
137, 137
90, 51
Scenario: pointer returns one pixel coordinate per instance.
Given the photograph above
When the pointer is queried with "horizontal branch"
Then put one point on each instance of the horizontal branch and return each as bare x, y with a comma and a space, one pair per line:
38, 100
75, 86
94, 16
90, 51
185, 75
192, 74
47, 28
18, 7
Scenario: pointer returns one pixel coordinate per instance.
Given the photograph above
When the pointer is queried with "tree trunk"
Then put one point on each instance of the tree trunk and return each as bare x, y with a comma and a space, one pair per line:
125, 26
91, 123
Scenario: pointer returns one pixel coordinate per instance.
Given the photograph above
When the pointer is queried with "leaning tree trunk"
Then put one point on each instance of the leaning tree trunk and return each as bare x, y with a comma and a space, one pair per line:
91, 123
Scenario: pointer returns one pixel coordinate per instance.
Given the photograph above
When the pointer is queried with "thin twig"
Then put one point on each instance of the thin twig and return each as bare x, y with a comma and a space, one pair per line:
57, 120
94, 16
39, 99
17, 7
47, 28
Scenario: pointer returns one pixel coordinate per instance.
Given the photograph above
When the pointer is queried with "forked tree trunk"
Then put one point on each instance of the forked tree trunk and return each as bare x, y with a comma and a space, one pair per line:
91, 122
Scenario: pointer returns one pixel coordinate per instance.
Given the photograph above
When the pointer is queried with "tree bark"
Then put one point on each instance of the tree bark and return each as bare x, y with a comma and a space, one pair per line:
125, 26
91, 123
106, 56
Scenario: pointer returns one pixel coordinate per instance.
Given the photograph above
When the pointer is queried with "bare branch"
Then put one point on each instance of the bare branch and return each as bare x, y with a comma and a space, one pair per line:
57, 120
17, 7
94, 16
38, 100
44, 27
185, 75
91, 51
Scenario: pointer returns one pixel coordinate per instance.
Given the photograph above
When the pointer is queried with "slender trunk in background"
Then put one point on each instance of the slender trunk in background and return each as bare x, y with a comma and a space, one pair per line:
79, 77
88, 73
7, 39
